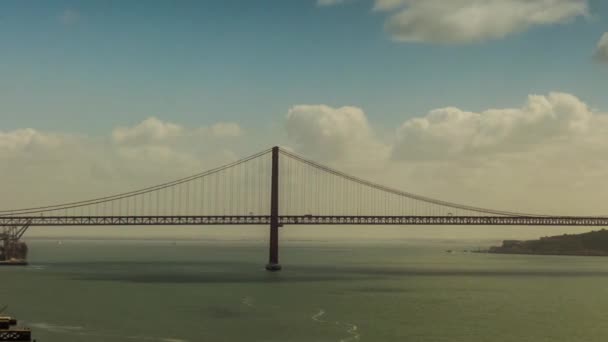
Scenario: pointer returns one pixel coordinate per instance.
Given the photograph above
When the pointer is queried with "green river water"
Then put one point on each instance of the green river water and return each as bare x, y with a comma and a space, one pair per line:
218, 291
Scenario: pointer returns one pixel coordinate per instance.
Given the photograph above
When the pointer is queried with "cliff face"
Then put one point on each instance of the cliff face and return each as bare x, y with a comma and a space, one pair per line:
593, 243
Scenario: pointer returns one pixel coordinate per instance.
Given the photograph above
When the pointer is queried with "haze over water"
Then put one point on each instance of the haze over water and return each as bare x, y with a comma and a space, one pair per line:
399, 290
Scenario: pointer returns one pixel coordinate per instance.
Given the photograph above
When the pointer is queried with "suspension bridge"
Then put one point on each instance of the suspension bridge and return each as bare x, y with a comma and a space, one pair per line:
275, 187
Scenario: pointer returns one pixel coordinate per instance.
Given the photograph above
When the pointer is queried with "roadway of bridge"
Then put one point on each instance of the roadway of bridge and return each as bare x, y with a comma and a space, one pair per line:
50, 221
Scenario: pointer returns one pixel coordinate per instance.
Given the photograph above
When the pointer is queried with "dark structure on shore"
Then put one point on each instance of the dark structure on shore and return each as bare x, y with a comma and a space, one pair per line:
8, 331
592, 244
13, 251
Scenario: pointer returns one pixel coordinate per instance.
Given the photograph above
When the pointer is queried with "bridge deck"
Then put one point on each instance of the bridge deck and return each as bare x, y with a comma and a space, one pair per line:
301, 220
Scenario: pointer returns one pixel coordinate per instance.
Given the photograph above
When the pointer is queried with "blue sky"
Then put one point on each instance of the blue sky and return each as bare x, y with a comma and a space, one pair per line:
127, 94
89, 66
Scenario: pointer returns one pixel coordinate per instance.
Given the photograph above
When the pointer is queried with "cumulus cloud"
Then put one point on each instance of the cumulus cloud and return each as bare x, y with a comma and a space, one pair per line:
154, 144
333, 134
23, 141
225, 129
601, 52
149, 130
468, 21
155, 131
546, 156
452, 132
45, 167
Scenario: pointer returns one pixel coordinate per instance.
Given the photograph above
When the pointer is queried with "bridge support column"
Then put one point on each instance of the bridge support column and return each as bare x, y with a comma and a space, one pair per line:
273, 258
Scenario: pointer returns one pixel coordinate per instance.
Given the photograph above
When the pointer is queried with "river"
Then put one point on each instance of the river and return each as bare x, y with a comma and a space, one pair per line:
153, 290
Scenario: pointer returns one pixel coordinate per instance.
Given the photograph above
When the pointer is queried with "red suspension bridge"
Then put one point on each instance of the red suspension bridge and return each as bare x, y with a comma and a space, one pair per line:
274, 187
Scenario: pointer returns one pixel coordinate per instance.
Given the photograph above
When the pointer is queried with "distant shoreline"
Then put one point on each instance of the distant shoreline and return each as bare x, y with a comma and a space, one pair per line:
594, 243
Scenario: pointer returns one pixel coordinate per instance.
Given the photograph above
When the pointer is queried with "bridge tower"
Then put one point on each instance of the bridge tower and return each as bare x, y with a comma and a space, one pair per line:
273, 258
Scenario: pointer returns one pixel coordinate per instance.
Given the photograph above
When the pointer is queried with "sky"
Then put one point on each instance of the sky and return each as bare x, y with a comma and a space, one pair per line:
498, 103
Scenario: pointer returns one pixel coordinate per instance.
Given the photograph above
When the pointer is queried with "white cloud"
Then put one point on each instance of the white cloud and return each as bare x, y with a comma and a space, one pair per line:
468, 21
387, 5
601, 52
43, 167
324, 3
149, 130
451, 132
155, 131
549, 155
546, 157
226, 129
332, 134
24, 140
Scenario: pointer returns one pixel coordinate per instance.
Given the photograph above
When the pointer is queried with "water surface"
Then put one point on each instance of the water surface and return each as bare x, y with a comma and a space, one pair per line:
218, 291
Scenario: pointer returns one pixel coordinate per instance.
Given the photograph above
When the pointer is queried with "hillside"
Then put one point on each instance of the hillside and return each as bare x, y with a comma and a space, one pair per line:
592, 243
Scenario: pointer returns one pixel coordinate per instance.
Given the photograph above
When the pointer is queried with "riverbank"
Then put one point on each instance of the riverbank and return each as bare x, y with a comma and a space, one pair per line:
593, 243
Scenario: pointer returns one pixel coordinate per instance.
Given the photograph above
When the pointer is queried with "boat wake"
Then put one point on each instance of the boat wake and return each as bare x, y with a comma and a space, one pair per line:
247, 301
36, 267
56, 328
317, 317
351, 329
80, 331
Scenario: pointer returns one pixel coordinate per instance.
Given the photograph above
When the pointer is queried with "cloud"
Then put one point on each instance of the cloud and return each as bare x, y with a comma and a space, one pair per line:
324, 3
601, 52
24, 140
455, 133
225, 130
70, 17
388, 5
155, 131
469, 21
547, 155
149, 130
41, 167
332, 134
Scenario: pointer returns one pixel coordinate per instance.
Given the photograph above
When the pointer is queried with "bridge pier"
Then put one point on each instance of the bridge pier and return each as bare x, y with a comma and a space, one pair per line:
273, 257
